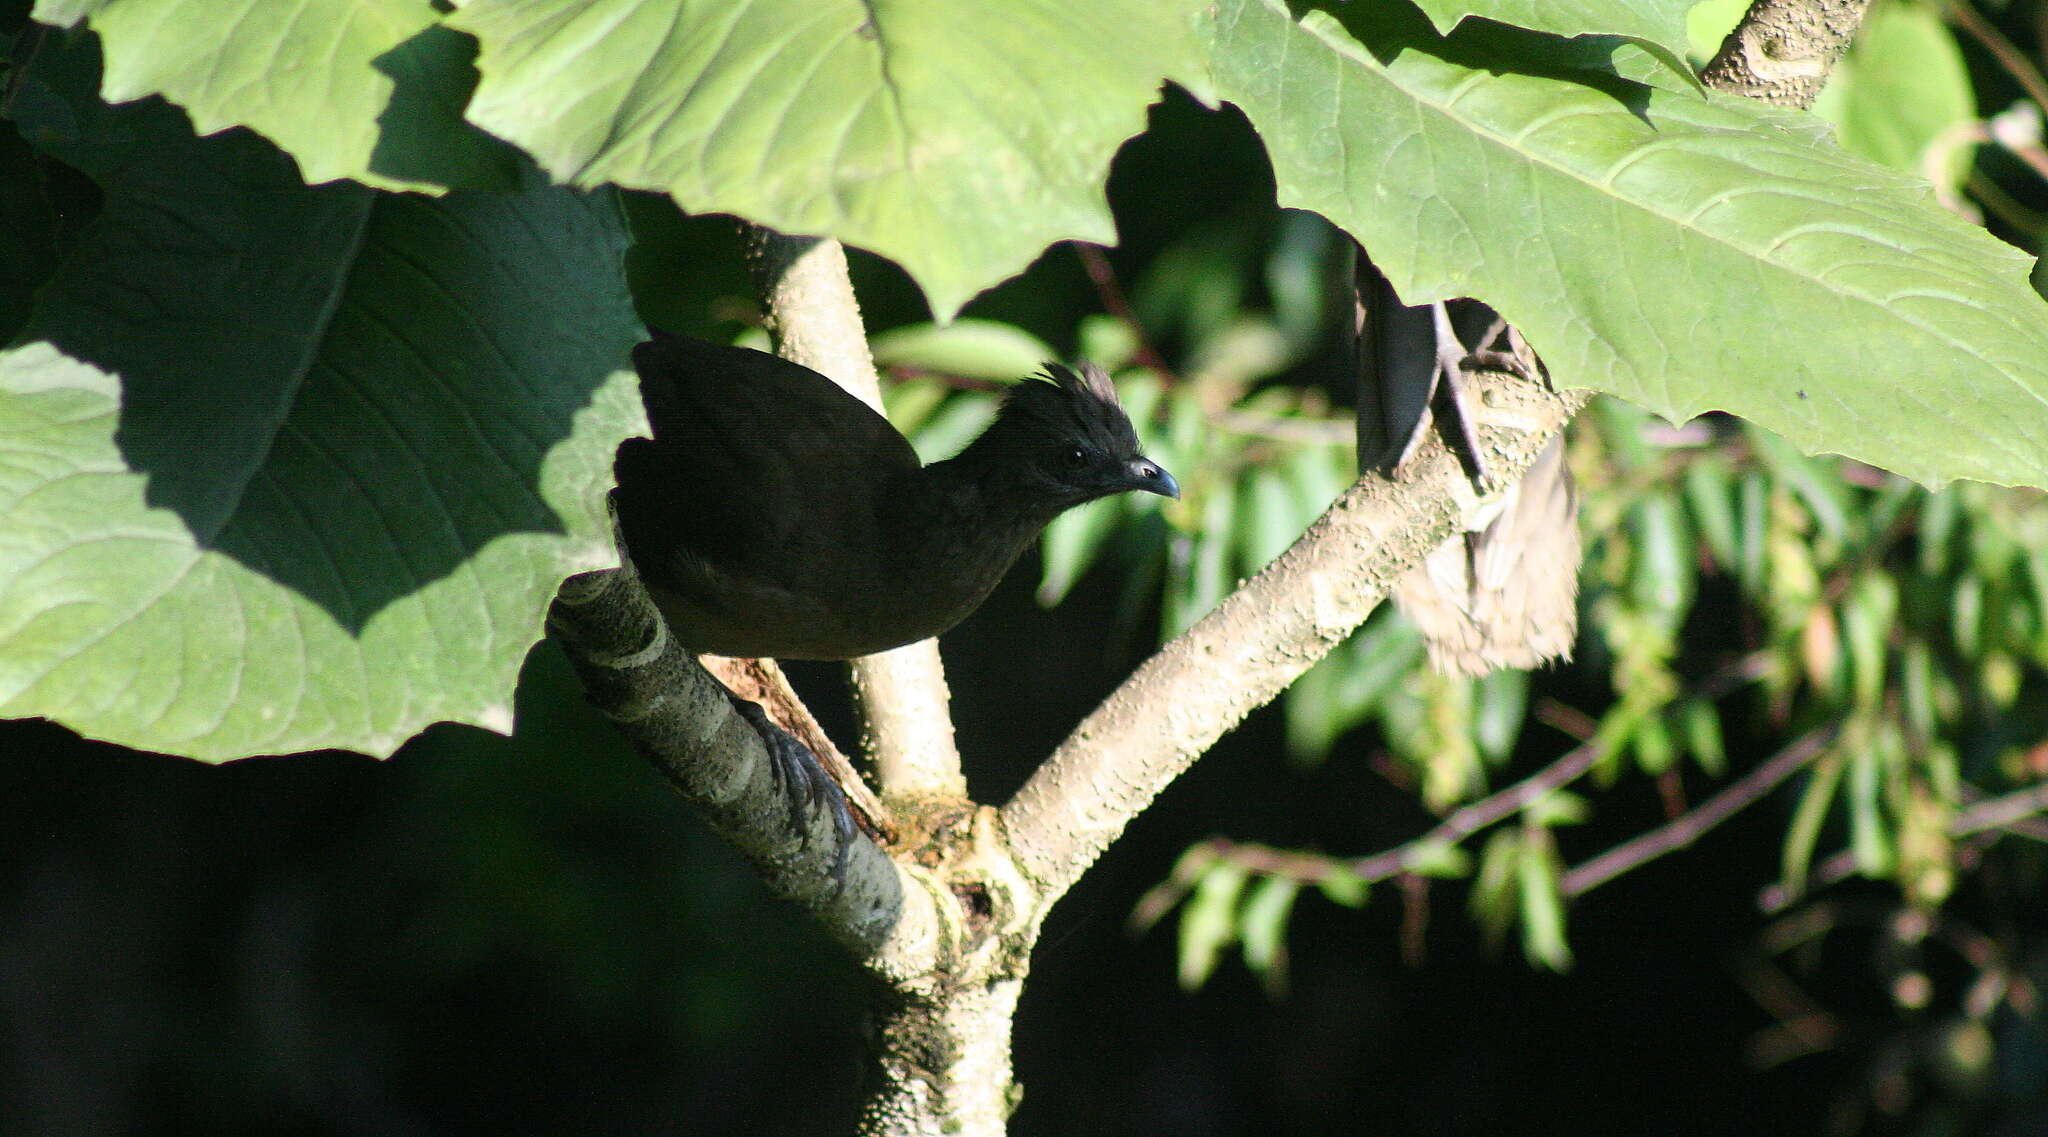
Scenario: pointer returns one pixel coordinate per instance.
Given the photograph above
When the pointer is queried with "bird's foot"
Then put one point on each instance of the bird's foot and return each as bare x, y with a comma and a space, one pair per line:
1499, 347
804, 784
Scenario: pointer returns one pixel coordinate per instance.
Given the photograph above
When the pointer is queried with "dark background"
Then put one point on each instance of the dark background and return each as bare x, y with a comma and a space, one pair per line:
533, 936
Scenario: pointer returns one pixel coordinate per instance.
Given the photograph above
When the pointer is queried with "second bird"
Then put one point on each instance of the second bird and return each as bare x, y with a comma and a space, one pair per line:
774, 514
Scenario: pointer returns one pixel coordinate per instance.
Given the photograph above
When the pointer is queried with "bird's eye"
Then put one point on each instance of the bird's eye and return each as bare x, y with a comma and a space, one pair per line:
1076, 458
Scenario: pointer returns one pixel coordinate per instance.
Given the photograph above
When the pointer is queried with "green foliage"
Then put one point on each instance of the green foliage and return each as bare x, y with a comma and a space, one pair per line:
370, 91
1684, 251
291, 467
1657, 28
1902, 95
1624, 203
884, 126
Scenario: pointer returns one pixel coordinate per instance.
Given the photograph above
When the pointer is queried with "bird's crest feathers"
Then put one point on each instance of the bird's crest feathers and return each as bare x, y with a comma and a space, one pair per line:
1074, 402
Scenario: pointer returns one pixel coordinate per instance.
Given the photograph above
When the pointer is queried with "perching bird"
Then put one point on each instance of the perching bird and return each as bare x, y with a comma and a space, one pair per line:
774, 514
1503, 593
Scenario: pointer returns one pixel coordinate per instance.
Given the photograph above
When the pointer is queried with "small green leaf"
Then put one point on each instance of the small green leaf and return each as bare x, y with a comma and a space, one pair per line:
1700, 721
1500, 705
1264, 926
911, 404
1493, 902
1814, 480
1536, 872
1444, 859
1388, 650
1267, 523
1815, 802
1208, 923
1318, 474
1754, 498
1916, 688
971, 349
1967, 621
1305, 251
1710, 497
1313, 719
1870, 836
1070, 546
1709, 22
1662, 577
957, 422
1654, 751
1902, 85
1206, 576
1869, 612
1108, 341
1558, 807
1939, 521
1344, 888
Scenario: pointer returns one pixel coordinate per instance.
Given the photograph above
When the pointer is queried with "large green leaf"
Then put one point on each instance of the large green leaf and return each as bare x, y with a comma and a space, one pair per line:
1688, 254
957, 139
1659, 21
286, 468
1656, 26
1899, 89
368, 89
28, 231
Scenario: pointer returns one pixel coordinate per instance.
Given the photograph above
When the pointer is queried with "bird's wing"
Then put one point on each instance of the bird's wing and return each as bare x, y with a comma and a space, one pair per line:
757, 464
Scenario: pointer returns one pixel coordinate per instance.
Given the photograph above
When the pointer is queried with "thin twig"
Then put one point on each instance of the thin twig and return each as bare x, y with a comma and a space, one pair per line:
2012, 59
2007, 812
1711, 812
1480, 814
1977, 826
1103, 275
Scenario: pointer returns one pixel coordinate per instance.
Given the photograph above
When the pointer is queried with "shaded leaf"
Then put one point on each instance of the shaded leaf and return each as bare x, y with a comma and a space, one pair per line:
1656, 26
956, 140
287, 468
371, 90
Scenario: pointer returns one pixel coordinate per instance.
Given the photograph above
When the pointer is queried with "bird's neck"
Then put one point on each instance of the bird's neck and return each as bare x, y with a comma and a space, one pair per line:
976, 494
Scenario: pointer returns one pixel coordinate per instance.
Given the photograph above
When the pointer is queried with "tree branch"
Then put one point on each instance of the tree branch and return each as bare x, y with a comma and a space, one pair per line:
1782, 50
1259, 639
1480, 814
2008, 812
1685, 830
902, 693
677, 716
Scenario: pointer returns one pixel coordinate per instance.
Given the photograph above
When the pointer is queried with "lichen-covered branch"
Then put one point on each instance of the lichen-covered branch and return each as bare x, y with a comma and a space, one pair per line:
793, 830
1259, 639
903, 698
1782, 50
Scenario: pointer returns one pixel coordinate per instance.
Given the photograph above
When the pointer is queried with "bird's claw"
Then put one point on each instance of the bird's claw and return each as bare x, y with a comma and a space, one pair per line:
804, 784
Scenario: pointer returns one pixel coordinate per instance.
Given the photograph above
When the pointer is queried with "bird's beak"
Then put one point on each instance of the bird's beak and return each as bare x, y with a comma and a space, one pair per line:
1150, 476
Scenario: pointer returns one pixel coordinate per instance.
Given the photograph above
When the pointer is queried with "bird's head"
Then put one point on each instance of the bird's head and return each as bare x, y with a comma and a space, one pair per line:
1065, 438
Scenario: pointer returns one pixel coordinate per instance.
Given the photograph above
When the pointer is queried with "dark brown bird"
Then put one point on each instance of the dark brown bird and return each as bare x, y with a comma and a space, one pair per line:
774, 514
